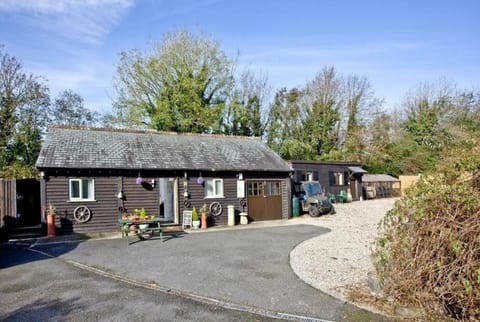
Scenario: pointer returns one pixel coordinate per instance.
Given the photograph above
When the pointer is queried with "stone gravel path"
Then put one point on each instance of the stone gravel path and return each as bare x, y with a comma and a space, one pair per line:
333, 261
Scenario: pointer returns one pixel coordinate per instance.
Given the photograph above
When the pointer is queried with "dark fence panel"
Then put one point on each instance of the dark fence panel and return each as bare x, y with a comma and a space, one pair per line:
8, 201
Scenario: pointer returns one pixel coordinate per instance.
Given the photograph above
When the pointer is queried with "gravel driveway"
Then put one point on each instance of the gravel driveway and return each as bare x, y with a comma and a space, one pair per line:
332, 261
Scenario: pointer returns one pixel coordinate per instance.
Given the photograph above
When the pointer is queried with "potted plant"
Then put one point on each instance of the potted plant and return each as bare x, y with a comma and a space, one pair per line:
142, 214
51, 213
204, 213
195, 221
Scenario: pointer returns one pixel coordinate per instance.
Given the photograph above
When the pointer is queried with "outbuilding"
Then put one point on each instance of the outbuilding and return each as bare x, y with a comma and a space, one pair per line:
380, 186
110, 171
334, 176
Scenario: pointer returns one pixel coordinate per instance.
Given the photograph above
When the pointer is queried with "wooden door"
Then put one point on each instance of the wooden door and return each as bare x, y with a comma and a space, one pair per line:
264, 199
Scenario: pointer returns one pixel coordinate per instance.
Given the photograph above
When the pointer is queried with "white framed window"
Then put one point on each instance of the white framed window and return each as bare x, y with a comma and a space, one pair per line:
81, 189
214, 188
338, 178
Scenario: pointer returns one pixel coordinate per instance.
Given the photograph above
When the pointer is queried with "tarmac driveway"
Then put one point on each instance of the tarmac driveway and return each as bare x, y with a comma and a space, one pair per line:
248, 267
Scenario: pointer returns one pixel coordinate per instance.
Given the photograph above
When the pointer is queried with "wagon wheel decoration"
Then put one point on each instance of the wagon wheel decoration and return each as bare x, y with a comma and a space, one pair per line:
215, 208
243, 203
82, 214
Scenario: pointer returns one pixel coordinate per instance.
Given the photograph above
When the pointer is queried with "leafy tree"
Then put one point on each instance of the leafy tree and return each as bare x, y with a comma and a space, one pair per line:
68, 109
324, 99
361, 109
285, 125
24, 104
325, 120
180, 85
245, 115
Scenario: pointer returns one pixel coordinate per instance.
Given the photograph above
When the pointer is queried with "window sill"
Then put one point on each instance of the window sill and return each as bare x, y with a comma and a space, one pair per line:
82, 200
214, 197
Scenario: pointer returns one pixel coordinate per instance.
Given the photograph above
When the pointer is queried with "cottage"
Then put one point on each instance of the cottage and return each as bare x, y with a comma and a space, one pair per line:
92, 175
334, 176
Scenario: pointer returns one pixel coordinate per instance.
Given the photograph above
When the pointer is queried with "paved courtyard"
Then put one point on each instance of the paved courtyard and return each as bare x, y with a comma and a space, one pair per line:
247, 268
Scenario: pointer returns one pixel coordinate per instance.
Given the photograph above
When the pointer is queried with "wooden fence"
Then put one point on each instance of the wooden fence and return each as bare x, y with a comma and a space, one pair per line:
8, 200
407, 182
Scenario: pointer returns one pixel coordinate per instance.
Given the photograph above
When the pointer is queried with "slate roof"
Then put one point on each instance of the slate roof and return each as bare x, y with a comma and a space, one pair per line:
83, 148
378, 178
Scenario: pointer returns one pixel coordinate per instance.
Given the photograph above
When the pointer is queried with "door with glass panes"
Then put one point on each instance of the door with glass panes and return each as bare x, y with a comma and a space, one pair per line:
264, 199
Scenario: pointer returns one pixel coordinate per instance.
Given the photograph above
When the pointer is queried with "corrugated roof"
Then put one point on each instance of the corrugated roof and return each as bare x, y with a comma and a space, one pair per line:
82, 148
378, 178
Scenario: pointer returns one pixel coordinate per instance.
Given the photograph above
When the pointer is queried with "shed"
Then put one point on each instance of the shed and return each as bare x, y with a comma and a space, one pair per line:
334, 176
380, 186
111, 171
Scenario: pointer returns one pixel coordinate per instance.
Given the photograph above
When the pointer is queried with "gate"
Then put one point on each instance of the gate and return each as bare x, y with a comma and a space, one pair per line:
19, 202
264, 200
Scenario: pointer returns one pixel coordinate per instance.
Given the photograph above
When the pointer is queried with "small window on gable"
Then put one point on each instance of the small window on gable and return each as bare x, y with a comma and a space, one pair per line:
81, 189
214, 188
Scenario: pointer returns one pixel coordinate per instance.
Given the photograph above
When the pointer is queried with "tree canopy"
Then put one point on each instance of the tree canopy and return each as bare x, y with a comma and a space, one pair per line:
181, 85
187, 83
25, 112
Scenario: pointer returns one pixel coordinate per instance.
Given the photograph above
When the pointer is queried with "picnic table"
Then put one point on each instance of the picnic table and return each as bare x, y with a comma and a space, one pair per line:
149, 226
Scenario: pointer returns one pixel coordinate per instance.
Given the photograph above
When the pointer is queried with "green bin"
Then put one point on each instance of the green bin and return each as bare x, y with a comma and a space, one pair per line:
295, 207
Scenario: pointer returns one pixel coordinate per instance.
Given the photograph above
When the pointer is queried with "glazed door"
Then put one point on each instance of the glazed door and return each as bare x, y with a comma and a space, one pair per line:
166, 199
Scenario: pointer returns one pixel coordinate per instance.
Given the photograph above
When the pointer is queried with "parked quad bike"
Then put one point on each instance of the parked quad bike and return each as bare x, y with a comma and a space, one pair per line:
313, 199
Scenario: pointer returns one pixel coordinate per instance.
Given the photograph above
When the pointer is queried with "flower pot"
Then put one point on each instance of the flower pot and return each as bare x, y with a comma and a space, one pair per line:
51, 225
133, 229
143, 226
196, 224
204, 220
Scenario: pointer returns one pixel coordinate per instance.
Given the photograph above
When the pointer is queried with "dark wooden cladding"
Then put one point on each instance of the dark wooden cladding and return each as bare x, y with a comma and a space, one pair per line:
104, 209
140, 196
322, 171
197, 197
197, 194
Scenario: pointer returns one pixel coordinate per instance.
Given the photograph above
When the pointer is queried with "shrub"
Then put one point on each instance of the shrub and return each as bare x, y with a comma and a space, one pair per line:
428, 252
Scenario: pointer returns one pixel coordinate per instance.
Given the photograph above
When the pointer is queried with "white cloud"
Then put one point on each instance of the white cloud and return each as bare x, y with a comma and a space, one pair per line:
86, 21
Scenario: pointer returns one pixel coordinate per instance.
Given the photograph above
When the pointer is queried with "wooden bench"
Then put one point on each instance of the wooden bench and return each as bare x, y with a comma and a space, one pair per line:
154, 226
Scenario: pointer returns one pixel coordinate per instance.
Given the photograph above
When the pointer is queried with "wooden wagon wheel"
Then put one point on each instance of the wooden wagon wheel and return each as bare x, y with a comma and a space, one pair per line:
243, 203
82, 214
215, 208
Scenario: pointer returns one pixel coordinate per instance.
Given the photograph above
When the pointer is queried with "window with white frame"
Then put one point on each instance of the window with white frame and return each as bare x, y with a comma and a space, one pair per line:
81, 189
214, 188
338, 178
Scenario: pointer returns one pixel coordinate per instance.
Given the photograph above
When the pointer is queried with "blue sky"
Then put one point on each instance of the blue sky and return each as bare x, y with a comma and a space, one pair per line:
397, 45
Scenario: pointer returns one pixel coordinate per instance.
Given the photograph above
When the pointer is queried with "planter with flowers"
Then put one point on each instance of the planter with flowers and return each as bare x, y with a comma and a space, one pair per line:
141, 215
195, 221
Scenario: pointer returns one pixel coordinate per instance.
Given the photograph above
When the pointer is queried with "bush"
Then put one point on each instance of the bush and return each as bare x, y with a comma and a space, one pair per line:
428, 252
